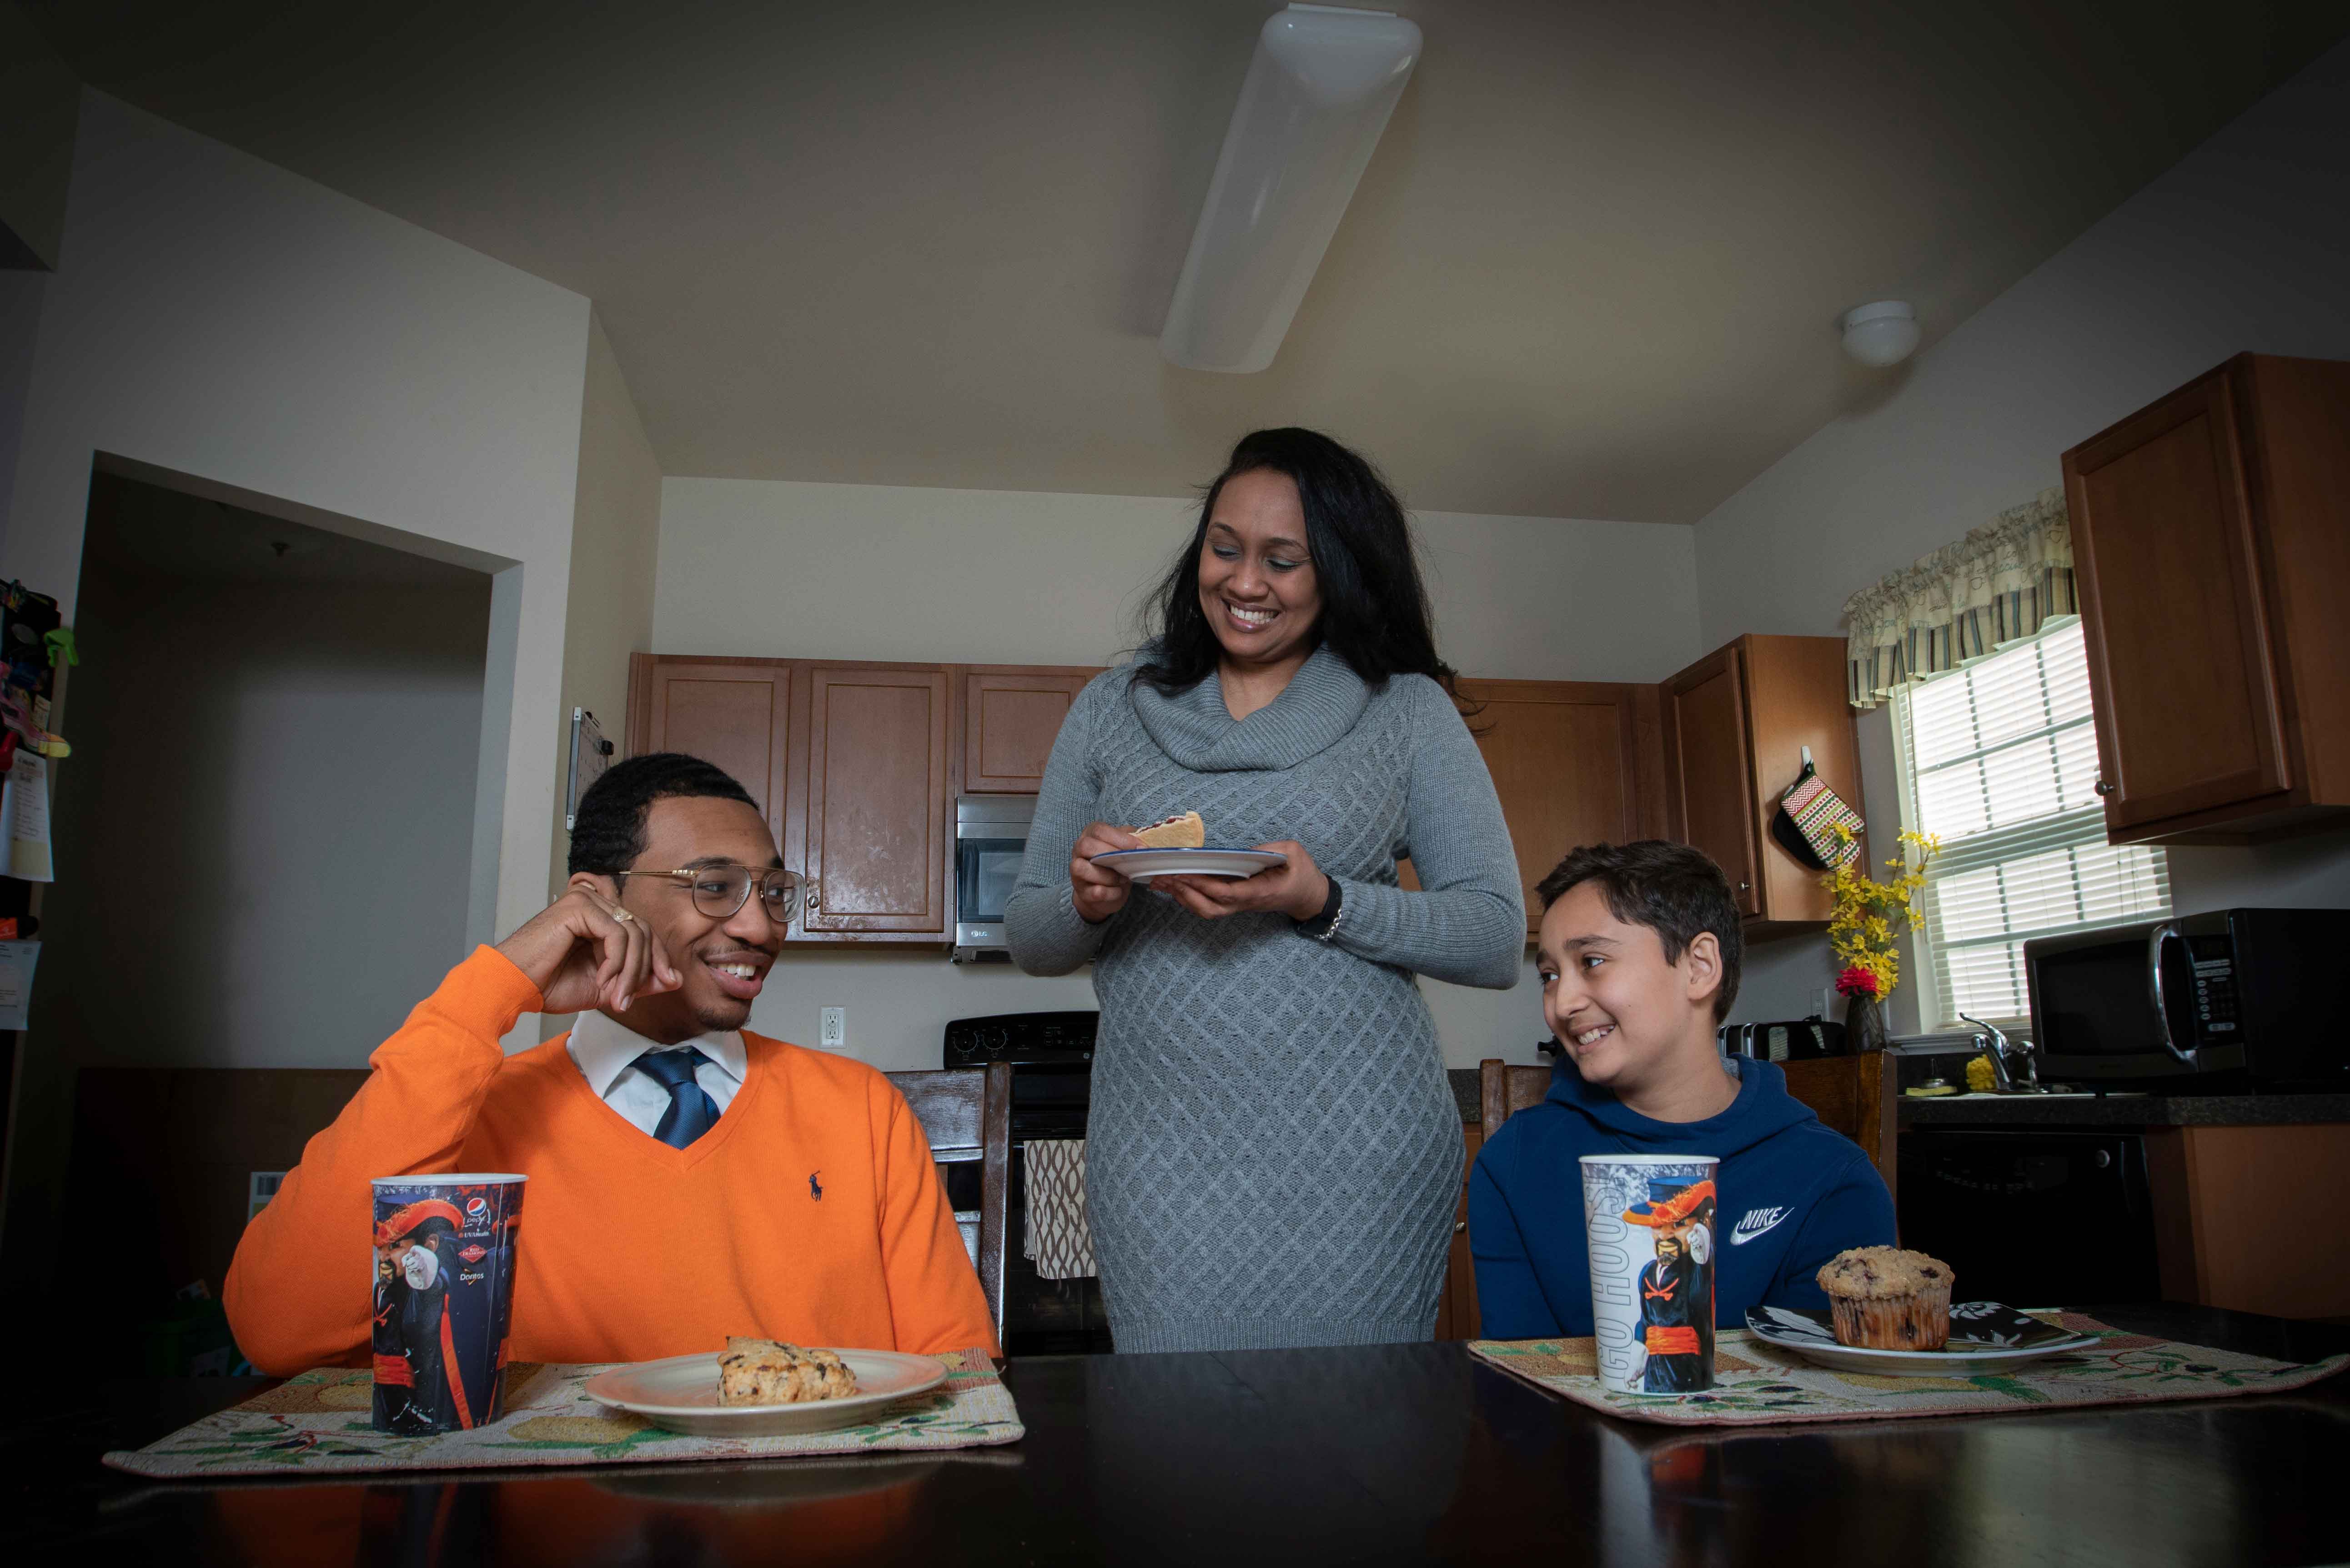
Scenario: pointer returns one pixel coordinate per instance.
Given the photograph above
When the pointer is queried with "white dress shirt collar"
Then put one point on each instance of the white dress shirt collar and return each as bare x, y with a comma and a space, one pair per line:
603, 1048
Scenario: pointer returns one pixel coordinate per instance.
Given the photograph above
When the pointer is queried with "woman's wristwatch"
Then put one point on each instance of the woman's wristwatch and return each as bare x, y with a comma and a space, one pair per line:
1324, 926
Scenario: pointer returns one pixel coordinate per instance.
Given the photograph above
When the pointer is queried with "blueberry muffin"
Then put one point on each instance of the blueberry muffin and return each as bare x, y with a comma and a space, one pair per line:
1886, 1299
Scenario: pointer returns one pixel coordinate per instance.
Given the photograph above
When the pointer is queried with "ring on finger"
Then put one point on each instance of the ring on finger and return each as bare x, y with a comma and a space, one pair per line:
623, 914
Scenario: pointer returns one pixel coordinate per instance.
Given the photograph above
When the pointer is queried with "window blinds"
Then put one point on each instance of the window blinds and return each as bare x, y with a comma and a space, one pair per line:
2002, 765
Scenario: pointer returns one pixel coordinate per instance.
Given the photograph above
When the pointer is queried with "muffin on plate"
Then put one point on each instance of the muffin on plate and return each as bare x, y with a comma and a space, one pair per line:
1887, 1299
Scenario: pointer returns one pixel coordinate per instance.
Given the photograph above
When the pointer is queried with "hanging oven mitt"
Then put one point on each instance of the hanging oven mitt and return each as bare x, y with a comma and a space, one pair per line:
1805, 823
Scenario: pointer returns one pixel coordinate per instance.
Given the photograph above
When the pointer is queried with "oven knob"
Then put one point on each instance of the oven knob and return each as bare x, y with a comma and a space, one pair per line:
994, 1040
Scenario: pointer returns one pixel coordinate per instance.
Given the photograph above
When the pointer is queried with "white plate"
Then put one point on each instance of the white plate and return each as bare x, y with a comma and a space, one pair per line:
1142, 865
681, 1393
1985, 1337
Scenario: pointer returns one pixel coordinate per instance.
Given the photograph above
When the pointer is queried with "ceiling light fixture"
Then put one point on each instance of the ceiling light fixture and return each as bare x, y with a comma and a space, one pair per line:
1319, 91
1881, 334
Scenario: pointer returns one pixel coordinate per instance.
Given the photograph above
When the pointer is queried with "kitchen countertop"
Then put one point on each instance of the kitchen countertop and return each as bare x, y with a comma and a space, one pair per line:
2123, 1110
2055, 1111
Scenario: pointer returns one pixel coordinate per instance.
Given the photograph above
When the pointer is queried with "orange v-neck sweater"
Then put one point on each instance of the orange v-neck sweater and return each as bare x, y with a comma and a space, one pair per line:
810, 1213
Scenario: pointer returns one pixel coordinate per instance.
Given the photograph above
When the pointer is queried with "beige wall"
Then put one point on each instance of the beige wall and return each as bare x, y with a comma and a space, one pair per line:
252, 336
2242, 245
220, 320
844, 571
615, 541
281, 780
777, 569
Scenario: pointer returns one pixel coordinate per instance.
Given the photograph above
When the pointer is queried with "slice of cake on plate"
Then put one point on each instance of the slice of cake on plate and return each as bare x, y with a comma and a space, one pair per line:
769, 1371
1185, 831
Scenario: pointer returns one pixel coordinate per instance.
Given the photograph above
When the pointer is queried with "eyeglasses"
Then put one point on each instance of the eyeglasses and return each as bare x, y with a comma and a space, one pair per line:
721, 890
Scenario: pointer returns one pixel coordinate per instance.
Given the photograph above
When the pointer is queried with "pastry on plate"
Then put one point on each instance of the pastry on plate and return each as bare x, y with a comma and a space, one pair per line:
1886, 1299
1185, 831
768, 1372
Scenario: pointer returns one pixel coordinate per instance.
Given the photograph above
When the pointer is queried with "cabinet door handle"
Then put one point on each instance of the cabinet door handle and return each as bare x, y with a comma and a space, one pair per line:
1459, 1226
2102, 787
1745, 886
812, 896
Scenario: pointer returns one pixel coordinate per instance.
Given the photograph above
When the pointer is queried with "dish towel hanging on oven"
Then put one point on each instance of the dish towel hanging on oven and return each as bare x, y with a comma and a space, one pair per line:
1058, 1240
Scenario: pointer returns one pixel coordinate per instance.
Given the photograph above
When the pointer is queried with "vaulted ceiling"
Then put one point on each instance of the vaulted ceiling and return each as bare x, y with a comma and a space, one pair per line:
1594, 270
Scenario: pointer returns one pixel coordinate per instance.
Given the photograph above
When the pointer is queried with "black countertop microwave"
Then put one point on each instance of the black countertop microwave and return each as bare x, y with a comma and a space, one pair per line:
991, 840
2236, 998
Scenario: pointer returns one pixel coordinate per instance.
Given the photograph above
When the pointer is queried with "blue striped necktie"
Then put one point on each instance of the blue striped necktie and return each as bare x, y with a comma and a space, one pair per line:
692, 1112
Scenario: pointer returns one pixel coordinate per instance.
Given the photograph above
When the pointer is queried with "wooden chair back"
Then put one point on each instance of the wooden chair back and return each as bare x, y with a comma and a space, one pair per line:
1857, 1096
1854, 1095
966, 1113
1502, 1091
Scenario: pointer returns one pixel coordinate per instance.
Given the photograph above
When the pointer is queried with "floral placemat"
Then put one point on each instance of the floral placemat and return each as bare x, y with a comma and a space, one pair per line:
1756, 1384
319, 1423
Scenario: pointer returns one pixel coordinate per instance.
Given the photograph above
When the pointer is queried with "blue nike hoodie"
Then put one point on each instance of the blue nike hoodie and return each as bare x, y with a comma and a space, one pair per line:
1793, 1195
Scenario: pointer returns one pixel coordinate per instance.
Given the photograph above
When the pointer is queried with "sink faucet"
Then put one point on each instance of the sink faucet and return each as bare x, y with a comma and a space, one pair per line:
2011, 1067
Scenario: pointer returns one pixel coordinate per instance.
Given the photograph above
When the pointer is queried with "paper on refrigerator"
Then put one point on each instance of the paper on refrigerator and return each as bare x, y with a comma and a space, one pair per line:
24, 811
17, 961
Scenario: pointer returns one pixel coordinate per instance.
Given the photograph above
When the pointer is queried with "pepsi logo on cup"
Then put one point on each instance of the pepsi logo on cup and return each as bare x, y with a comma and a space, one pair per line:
477, 1212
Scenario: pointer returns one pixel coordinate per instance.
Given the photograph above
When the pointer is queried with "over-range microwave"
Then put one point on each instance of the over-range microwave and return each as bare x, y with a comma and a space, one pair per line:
2247, 997
991, 838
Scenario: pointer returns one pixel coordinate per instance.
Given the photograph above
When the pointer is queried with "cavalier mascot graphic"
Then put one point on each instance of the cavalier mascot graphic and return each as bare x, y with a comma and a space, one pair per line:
418, 1386
1677, 1288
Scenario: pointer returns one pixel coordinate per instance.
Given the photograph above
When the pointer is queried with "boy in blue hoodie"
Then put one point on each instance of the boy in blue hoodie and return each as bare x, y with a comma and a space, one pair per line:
1639, 956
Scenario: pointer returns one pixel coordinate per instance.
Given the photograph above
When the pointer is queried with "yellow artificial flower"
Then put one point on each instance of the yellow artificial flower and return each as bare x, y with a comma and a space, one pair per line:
1863, 910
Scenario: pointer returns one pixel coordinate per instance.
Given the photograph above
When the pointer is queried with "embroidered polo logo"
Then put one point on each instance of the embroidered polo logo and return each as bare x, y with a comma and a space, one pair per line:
1757, 1220
814, 1191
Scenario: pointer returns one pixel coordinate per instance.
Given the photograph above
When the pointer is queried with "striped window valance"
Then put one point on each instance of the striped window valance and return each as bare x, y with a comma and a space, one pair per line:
2004, 580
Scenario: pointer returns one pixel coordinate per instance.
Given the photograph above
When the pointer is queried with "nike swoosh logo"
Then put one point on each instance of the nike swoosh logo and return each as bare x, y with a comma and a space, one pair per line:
1755, 1224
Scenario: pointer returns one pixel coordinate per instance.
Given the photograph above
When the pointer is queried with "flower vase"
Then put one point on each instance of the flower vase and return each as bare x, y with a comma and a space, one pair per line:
1863, 1025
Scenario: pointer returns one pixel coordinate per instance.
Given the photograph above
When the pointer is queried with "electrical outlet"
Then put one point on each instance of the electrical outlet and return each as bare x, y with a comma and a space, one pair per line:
836, 1028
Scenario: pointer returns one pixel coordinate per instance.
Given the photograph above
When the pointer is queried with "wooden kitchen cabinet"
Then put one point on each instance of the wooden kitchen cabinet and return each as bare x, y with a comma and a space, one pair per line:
1735, 726
2222, 1239
1011, 715
879, 792
852, 766
1573, 762
736, 713
856, 766
2211, 557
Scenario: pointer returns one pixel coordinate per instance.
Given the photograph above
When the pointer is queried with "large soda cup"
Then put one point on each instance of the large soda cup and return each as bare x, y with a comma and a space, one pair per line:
444, 1293
1649, 1220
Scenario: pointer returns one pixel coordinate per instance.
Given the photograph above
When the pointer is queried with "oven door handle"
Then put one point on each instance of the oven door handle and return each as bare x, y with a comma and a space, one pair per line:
2154, 940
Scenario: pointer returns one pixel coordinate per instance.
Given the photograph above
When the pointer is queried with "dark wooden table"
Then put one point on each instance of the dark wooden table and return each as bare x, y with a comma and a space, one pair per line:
1398, 1453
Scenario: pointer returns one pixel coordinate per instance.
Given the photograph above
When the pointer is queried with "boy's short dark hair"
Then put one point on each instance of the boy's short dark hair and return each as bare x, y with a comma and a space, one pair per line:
1676, 891
608, 831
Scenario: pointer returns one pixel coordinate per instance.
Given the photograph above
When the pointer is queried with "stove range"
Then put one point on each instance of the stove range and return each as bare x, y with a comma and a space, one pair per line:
1052, 1056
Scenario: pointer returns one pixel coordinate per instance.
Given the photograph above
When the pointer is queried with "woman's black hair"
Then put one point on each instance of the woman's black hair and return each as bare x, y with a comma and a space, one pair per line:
1375, 613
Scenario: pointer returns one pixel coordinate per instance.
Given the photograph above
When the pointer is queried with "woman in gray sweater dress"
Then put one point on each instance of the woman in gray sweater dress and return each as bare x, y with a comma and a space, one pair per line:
1274, 1156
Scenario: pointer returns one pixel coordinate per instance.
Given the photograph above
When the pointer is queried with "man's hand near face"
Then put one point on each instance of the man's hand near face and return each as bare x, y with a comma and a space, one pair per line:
585, 952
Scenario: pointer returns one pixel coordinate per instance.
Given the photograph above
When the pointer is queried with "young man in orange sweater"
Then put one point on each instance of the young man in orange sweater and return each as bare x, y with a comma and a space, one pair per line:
688, 1180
